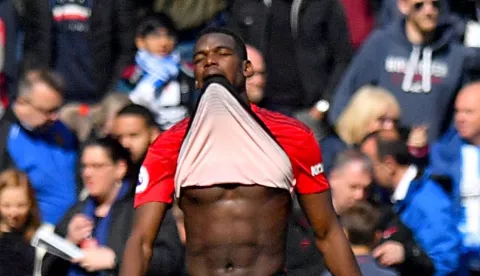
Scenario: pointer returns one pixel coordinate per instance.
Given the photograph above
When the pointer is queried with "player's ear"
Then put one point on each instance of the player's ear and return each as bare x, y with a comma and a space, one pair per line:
247, 69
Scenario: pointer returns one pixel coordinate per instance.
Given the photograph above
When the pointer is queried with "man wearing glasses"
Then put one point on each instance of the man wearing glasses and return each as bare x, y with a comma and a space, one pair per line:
34, 141
418, 59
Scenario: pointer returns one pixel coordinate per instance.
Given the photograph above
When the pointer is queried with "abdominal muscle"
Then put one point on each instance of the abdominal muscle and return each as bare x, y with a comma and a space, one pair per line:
235, 230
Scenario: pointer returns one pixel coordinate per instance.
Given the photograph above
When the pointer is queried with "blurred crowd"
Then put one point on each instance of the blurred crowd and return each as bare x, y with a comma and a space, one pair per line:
390, 88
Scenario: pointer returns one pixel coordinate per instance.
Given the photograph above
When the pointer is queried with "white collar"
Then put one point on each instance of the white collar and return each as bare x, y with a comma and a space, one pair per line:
402, 188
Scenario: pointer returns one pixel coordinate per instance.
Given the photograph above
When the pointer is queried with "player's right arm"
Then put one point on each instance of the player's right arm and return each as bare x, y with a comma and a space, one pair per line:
139, 247
153, 195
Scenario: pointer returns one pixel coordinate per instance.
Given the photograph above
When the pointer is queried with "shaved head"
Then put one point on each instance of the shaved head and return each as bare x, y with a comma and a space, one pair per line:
256, 83
467, 113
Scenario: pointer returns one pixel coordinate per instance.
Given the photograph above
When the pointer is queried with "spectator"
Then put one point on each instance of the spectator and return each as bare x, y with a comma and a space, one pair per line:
157, 81
370, 109
418, 60
457, 154
374, 108
34, 141
19, 219
359, 224
88, 42
101, 223
256, 83
307, 48
390, 11
350, 181
135, 128
420, 202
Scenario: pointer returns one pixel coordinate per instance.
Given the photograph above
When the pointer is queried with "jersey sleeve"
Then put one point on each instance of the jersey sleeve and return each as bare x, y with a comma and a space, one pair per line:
308, 168
156, 178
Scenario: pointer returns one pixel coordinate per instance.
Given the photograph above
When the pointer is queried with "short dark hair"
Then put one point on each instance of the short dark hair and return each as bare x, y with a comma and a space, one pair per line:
153, 22
395, 147
140, 111
49, 77
390, 143
240, 47
112, 146
360, 221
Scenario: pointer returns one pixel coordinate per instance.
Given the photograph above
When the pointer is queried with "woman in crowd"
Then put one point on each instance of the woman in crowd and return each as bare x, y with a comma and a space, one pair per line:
100, 225
19, 219
371, 109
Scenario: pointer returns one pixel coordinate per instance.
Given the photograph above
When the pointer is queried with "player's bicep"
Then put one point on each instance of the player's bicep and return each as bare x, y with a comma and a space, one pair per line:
147, 220
308, 168
319, 211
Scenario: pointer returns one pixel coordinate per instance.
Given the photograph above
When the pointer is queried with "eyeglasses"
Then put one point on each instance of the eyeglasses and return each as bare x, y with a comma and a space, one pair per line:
96, 166
420, 5
384, 120
42, 111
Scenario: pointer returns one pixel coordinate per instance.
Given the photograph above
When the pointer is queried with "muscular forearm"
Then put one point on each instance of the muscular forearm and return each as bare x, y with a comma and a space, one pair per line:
136, 257
337, 253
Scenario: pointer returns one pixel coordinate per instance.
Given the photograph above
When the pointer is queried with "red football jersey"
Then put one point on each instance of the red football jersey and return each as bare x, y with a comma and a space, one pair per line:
156, 179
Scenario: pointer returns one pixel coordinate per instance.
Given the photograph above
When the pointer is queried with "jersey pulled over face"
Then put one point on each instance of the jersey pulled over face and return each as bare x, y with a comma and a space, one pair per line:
226, 142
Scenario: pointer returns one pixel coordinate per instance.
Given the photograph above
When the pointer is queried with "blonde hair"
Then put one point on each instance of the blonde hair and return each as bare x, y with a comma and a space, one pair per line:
14, 178
367, 104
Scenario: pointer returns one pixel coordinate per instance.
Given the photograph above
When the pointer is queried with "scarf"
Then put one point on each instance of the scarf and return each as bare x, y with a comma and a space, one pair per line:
101, 229
156, 73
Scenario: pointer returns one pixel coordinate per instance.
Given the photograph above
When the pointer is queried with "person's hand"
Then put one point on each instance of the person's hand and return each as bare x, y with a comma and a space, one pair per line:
418, 137
389, 253
316, 114
95, 259
79, 228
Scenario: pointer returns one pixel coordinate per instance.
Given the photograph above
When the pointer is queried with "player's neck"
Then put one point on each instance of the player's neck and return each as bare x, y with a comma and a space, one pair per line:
359, 250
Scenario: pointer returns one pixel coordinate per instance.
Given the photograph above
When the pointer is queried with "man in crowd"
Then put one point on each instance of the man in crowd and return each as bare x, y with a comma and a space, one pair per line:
135, 128
34, 141
422, 203
256, 83
236, 212
351, 179
417, 59
88, 42
457, 154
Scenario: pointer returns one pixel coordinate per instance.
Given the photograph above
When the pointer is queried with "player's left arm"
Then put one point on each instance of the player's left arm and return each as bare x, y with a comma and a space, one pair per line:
315, 200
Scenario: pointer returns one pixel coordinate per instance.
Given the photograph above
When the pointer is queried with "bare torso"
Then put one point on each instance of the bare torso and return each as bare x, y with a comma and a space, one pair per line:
235, 230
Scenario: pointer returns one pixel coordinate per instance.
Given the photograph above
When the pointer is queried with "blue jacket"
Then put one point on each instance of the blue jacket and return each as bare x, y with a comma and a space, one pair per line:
425, 93
49, 159
446, 159
427, 211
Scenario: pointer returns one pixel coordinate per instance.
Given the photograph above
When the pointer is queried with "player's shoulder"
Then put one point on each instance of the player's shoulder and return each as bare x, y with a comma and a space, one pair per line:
283, 126
172, 137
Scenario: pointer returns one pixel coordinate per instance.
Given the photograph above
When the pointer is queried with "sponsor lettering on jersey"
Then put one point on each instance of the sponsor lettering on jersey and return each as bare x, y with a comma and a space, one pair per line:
317, 169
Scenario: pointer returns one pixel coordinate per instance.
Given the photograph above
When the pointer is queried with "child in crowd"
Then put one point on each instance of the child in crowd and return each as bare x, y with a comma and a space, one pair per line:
19, 219
359, 224
158, 80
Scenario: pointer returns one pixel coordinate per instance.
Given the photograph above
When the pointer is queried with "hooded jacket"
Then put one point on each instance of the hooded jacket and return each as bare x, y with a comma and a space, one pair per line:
423, 78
